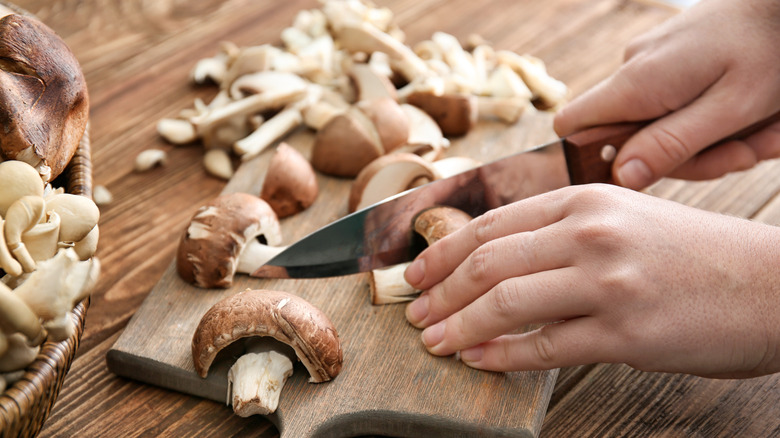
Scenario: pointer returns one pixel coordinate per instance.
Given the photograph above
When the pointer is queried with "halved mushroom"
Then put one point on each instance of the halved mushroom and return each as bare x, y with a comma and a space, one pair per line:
290, 185
223, 238
388, 286
389, 175
346, 144
456, 114
370, 84
257, 381
45, 105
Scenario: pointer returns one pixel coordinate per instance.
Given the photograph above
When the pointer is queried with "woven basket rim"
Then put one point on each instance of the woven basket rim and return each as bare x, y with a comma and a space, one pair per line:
25, 405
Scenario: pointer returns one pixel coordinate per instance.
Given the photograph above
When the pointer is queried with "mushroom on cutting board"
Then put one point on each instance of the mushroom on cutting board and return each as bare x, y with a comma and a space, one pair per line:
389, 175
256, 379
290, 185
223, 238
388, 286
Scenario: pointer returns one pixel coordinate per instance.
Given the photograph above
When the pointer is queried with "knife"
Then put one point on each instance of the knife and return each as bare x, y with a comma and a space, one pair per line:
381, 235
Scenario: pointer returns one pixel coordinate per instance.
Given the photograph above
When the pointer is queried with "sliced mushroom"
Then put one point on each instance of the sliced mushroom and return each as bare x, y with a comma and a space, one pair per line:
387, 176
290, 185
45, 105
223, 238
456, 114
370, 84
389, 120
388, 286
346, 144
424, 133
285, 317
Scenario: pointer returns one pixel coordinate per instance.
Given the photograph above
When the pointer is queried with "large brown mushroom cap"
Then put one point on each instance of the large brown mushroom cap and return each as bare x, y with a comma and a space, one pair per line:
210, 246
283, 316
44, 106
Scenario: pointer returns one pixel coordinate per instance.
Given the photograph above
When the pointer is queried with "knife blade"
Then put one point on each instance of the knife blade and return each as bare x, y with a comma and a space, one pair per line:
381, 235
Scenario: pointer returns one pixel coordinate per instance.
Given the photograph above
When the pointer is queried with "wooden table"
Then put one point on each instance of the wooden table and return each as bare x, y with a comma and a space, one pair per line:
136, 56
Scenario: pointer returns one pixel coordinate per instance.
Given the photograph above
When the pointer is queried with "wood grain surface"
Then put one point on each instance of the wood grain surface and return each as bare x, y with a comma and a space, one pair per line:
137, 54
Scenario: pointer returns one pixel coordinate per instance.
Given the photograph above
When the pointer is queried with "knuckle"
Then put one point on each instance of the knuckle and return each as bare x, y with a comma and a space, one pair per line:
485, 226
544, 346
504, 299
481, 263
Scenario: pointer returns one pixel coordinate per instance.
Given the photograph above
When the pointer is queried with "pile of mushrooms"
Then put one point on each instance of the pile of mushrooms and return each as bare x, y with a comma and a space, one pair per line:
47, 242
344, 71
276, 328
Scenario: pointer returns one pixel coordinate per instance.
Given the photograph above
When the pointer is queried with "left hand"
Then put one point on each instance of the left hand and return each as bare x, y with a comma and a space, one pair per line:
613, 276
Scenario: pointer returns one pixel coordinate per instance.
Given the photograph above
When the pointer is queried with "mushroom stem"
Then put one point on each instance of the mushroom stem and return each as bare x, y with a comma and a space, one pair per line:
388, 286
272, 130
256, 379
254, 255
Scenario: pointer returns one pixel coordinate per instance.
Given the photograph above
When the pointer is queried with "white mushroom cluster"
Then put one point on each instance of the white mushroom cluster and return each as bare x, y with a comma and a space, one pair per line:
345, 71
47, 242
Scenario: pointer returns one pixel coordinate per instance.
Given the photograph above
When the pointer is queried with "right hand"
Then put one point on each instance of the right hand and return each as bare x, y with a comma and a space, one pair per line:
702, 76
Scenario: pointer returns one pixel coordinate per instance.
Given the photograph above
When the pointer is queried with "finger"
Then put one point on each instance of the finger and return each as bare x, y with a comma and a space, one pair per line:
732, 156
440, 259
658, 149
577, 341
513, 304
508, 257
645, 88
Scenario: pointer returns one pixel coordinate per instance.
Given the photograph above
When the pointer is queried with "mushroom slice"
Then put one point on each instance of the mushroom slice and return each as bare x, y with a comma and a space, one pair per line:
290, 185
45, 102
346, 144
390, 121
423, 130
223, 238
369, 84
387, 176
282, 316
261, 82
456, 114
388, 285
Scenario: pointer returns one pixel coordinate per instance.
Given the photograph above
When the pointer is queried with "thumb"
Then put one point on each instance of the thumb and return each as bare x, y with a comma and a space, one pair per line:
662, 146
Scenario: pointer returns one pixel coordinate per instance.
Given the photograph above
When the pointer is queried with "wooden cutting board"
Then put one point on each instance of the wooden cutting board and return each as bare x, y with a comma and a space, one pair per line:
389, 384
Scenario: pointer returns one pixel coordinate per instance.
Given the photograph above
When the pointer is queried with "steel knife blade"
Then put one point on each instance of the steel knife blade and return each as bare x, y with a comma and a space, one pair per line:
381, 235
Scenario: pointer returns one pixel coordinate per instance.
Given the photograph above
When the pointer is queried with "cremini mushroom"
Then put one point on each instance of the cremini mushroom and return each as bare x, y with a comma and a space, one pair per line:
346, 144
290, 185
370, 84
256, 379
389, 175
388, 286
222, 238
43, 95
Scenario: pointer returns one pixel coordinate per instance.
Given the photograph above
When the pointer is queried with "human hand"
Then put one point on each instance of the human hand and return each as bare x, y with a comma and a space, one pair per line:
702, 76
614, 276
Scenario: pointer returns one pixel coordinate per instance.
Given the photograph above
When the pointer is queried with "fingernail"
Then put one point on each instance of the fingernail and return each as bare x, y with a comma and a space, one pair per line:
471, 355
433, 335
417, 310
635, 174
415, 272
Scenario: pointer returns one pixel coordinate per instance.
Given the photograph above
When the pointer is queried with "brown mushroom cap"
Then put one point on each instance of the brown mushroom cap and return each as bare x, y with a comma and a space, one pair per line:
437, 222
290, 184
346, 144
209, 248
388, 175
390, 121
455, 114
44, 104
283, 316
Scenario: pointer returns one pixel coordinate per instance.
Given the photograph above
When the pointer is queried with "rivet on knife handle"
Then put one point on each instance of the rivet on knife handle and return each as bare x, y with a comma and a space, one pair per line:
590, 153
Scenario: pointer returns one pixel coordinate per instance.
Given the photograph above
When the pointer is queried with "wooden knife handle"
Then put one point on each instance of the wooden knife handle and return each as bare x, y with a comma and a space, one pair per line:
590, 153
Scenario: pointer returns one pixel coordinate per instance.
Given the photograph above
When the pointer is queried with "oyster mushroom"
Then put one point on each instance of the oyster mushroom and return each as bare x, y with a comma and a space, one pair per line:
223, 238
17, 179
388, 286
290, 185
256, 379
21, 216
45, 106
17, 317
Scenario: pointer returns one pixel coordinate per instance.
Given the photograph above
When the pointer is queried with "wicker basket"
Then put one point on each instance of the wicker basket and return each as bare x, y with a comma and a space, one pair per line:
26, 404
